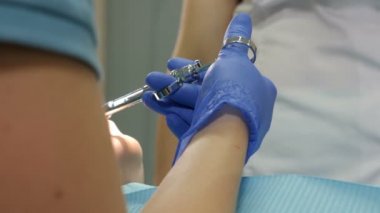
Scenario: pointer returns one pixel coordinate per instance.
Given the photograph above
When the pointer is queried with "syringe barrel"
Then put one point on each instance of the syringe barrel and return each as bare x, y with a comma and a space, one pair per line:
125, 101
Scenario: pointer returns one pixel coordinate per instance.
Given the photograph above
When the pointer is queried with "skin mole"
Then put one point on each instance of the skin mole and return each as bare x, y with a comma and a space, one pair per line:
58, 194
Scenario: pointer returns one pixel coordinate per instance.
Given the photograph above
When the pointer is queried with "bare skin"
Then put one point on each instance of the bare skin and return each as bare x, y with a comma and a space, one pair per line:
129, 155
56, 153
193, 42
201, 171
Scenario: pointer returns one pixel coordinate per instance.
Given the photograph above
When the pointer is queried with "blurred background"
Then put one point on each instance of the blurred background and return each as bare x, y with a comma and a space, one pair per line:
136, 37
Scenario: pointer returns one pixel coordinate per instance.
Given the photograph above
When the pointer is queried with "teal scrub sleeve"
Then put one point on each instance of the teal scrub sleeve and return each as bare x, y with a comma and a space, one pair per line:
63, 27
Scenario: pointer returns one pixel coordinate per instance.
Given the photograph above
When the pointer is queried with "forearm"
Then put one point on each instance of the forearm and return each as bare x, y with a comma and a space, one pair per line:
202, 27
55, 153
232, 114
206, 178
200, 36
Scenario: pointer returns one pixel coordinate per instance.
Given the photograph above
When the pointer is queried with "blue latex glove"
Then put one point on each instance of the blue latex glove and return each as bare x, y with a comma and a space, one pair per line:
233, 80
178, 107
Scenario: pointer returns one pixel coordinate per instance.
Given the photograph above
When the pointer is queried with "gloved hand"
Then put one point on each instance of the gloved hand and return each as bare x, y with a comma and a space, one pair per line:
233, 80
178, 107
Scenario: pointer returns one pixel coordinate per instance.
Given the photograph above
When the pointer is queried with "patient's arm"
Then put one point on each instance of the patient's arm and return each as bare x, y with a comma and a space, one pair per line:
206, 177
55, 149
202, 27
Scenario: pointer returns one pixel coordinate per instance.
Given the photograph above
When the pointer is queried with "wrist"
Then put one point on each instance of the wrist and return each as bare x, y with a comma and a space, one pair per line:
218, 98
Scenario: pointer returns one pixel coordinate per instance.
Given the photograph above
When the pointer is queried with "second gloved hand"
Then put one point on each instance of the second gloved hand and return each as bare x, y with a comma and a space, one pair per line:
178, 107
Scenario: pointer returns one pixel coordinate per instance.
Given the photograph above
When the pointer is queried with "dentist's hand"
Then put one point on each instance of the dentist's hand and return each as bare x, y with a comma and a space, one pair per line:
234, 81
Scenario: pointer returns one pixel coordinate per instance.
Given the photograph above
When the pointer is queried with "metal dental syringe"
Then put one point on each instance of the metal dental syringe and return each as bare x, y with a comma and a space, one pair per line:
186, 74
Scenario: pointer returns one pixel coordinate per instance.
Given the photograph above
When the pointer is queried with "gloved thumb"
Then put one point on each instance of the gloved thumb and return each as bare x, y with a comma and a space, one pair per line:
177, 63
240, 25
158, 80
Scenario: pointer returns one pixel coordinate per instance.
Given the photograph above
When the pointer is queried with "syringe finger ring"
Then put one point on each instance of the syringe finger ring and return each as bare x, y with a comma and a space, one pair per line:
167, 90
240, 39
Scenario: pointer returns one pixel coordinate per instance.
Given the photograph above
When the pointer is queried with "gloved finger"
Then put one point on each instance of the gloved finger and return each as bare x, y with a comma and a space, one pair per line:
157, 106
204, 71
167, 107
240, 25
187, 95
158, 80
271, 87
177, 125
177, 62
